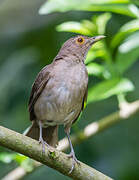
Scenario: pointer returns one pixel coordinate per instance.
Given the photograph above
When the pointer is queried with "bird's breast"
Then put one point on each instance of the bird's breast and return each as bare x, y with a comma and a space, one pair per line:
61, 99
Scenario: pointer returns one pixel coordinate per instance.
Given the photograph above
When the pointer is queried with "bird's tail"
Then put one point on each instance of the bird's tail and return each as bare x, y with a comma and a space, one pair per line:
49, 134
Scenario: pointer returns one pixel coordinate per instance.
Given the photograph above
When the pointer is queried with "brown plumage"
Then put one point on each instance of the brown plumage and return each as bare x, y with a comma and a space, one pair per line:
59, 92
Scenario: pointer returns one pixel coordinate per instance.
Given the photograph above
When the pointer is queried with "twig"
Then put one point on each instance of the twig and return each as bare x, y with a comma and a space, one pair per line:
89, 131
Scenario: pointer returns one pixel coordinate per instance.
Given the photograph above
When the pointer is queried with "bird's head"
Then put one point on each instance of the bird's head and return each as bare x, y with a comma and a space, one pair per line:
78, 46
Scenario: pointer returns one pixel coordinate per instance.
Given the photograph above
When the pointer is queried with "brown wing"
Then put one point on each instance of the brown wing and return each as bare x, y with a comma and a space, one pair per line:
83, 104
37, 88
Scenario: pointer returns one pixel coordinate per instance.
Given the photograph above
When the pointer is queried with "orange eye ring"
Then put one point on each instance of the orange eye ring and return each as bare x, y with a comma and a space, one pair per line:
80, 40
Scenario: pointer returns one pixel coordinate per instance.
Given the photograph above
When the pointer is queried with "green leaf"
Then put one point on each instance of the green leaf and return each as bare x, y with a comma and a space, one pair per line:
109, 88
101, 22
135, 2
128, 53
110, 1
20, 158
96, 51
85, 27
7, 157
120, 7
95, 69
91, 55
124, 32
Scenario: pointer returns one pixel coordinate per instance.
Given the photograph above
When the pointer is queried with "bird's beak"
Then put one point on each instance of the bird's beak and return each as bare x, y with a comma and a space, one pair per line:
96, 38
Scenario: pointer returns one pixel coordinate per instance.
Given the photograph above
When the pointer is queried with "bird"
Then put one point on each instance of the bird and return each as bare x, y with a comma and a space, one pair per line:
59, 93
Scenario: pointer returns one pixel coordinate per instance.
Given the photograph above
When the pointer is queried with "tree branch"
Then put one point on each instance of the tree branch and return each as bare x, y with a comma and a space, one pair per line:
52, 157
126, 111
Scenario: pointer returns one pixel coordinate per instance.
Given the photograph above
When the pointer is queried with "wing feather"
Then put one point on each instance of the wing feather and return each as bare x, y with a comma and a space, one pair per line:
37, 88
83, 104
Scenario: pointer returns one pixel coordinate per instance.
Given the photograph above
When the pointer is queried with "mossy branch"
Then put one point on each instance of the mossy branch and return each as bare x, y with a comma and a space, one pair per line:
52, 157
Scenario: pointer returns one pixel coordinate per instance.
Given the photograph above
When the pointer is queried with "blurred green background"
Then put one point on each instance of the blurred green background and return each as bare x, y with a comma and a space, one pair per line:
29, 41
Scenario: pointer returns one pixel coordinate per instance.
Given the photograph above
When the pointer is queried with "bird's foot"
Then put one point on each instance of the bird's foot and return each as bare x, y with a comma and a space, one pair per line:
41, 141
74, 160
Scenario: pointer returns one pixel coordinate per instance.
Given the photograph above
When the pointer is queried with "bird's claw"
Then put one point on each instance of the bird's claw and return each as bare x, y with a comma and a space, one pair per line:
41, 141
74, 161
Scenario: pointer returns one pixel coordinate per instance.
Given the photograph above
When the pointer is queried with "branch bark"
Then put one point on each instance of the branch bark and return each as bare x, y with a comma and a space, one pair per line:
52, 157
126, 111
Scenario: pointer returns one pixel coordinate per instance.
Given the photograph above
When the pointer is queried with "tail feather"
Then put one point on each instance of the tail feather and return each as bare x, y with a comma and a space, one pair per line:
50, 134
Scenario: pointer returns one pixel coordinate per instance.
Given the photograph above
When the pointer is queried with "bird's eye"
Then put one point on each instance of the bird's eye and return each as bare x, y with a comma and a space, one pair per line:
80, 40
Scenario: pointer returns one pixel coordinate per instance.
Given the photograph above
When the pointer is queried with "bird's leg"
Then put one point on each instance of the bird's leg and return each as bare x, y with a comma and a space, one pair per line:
72, 153
41, 138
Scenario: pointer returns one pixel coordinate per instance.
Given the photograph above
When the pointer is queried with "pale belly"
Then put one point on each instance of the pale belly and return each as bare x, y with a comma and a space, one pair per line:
61, 103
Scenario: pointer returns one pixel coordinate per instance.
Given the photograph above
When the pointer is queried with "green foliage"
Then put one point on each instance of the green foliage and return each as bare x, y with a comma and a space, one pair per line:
125, 31
22, 160
128, 52
107, 88
117, 6
7, 157
95, 69
86, 27
135, 2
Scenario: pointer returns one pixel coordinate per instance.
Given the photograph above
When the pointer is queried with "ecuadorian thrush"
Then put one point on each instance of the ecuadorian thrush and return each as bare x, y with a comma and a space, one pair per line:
59, 93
